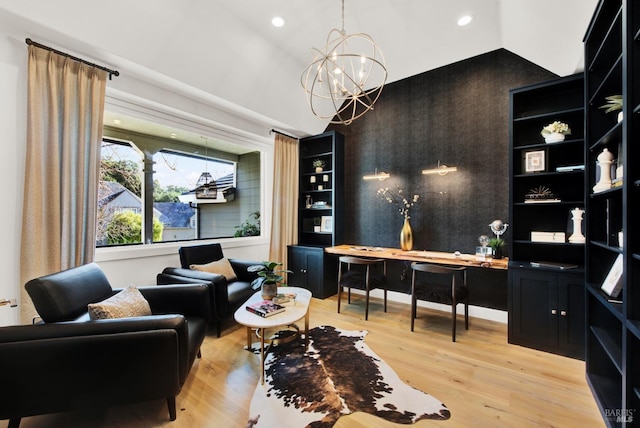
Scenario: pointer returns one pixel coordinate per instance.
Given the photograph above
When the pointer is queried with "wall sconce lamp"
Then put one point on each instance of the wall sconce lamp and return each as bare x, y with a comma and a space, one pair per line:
10, 302
377, 176
440, 170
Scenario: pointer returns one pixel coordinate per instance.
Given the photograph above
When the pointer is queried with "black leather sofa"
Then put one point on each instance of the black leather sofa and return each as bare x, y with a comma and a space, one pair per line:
69, 362
225, 296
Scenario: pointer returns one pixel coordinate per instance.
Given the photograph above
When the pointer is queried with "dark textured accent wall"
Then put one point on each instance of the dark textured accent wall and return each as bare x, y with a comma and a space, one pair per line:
458, 114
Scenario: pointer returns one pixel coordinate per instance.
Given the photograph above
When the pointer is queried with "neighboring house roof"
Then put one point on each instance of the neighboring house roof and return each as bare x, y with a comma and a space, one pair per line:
174, 214
114, 196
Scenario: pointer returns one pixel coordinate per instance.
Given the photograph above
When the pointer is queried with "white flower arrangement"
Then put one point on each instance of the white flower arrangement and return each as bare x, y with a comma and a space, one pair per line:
318, 163
556, 127
401, 202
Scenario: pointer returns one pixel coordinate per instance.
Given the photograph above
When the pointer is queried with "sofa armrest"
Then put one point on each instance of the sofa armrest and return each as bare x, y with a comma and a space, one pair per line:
73, 366
190, 276
185, 299
219, 294
240, 268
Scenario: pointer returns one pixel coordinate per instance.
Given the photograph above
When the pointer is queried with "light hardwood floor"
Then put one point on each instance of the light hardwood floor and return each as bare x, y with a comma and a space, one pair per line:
483, 380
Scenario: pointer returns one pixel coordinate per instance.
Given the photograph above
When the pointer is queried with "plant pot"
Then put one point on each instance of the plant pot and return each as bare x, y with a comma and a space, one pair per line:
497, 253
269, 290
555, 137
319, 169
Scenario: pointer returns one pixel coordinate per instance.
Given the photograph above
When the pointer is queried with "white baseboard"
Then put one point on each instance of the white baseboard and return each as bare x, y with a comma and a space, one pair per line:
474, 311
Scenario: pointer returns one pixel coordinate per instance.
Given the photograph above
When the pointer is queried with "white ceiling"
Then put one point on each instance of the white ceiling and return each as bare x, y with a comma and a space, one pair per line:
230, 50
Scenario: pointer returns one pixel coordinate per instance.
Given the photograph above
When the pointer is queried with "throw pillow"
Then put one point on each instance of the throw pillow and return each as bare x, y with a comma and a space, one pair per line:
127, 303
222, 267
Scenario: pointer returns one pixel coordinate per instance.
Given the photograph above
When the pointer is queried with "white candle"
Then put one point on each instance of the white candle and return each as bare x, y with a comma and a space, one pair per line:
312, 179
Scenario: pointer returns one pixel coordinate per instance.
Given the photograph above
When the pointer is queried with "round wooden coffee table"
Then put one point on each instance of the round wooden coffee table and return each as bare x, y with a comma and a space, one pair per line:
296, 309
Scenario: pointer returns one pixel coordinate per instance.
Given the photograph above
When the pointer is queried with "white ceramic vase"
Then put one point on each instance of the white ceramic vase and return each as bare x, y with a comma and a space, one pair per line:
555, 137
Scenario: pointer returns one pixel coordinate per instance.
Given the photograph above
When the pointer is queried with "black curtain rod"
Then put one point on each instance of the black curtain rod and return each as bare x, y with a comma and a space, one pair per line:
108, 70
282, 133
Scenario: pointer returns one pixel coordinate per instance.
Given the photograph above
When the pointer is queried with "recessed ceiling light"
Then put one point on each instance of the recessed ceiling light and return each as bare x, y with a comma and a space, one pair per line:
464, 20
173, 135
117, 121
277, 21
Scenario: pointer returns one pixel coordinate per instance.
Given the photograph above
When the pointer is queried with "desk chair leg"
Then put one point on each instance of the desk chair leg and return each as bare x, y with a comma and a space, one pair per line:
466, 313
413, 298
339, 296
454, 305
385, 299
366, 306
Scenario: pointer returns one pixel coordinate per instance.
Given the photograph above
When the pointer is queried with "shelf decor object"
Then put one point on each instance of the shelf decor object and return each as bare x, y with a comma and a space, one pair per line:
612, 284
346, 77
555, 132
605, 159
614, 103
535, 161
576, 216
540, 194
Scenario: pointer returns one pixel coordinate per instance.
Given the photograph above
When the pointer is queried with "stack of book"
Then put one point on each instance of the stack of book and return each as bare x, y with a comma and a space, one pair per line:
265, 308
548, 237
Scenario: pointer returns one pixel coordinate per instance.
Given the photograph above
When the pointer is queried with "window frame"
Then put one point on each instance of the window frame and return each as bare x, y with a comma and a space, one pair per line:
136, 107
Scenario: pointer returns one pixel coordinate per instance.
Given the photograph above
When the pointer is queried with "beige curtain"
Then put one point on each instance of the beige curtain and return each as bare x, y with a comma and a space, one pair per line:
64, 133
284, 221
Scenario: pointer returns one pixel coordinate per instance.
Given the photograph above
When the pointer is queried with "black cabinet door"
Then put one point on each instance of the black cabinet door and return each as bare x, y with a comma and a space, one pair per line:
572, 315
533, 297
311, 271
297, 259
547, 311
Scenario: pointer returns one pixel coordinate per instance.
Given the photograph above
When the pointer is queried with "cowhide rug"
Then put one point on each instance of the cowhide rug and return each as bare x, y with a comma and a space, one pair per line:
338, 375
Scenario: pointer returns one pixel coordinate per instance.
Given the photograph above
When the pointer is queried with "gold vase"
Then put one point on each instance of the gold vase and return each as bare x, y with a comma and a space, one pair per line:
406, 236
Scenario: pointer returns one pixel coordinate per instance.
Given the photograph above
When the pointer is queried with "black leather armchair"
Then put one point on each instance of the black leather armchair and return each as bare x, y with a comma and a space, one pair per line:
225, 296
69, 362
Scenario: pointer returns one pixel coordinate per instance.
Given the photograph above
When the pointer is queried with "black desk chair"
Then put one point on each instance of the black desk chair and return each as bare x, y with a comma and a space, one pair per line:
449, 293
363, 274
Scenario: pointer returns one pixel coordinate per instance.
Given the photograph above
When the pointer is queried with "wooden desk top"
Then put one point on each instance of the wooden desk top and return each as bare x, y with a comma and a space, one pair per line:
436, 257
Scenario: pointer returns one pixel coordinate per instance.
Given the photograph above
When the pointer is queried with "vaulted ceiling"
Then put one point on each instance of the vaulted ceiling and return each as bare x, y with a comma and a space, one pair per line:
230, 50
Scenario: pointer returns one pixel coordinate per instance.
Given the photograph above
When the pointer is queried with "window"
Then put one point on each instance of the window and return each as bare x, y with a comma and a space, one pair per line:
175, 178
119, 194
134, 164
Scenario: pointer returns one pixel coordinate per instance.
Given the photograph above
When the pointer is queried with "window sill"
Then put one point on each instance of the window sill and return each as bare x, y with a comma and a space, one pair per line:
169, 248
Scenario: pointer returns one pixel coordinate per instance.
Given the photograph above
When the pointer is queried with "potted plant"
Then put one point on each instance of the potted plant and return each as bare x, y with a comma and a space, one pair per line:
555, 132
269, 276
496, 245
318, 164
614, 103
